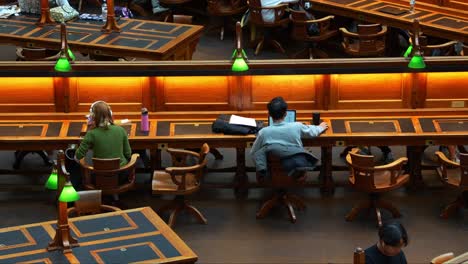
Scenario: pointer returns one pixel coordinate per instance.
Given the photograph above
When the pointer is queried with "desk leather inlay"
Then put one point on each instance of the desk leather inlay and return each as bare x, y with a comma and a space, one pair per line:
450, 22
74, 129
17, 130
427, 125
455, 125
192, 129
388, 126
406, 126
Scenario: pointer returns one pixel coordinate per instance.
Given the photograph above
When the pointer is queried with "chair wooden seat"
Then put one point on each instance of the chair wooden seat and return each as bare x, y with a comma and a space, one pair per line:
454, 175
280, 182
300, 32
90, 203
369, 41
163, 184
374, 180
181, 180
104, 175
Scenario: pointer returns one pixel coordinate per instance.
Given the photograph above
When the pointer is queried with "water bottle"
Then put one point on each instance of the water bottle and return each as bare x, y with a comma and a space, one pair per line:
412, 4
144, 127
104, 10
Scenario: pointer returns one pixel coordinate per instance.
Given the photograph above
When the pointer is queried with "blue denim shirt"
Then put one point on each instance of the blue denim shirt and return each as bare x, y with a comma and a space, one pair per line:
283, 139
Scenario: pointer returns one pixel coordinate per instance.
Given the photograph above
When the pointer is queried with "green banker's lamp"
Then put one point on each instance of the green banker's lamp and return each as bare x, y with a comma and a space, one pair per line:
59, 180
66, 55
239, 57
417, 60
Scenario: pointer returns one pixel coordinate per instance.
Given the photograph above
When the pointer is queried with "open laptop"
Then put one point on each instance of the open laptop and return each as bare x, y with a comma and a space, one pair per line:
290, 117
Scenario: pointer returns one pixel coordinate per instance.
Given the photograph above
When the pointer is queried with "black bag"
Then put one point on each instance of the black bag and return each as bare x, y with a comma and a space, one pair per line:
221, 125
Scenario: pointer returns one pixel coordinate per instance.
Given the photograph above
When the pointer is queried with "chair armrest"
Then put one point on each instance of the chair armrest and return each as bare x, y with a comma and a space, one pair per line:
182, 152
85, 165
446, 161
392, 166
179, 156
182, 170
70, 211
320, 20
442, 258
109, 208
131, 163
443, 45
346, 33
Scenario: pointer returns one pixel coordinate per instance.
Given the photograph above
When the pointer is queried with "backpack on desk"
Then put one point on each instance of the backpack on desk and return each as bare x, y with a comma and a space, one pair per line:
221, 125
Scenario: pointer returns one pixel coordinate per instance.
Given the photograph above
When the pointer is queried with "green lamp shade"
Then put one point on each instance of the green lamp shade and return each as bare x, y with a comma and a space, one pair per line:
417, 62
62, 65
408, 51
68, 193
239, 65
70, 54
52, 181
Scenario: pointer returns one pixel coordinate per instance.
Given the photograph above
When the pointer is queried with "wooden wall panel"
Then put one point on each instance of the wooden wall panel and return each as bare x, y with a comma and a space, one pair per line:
368, 91
447, 89
27, 94
199, 93
300, 91
122, 93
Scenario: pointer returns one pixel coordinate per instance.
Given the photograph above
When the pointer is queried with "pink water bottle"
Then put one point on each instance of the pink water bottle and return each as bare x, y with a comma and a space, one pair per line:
144, 120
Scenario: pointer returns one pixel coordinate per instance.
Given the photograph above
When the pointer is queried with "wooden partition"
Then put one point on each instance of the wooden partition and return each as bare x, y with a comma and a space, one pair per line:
307, 87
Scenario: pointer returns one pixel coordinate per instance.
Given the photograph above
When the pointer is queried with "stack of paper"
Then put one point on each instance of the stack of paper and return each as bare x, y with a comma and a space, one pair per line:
8, 10
245, 121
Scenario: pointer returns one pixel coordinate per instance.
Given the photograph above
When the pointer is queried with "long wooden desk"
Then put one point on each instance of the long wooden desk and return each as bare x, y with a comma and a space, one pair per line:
135, 235
412, 131
436, 21
139, 38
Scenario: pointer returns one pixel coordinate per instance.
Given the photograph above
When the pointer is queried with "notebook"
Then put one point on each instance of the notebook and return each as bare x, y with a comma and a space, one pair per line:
290, 117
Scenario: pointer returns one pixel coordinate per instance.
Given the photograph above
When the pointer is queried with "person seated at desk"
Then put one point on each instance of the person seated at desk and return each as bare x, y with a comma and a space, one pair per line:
103, 137
269, 15
392, 237
283, 139
139, 6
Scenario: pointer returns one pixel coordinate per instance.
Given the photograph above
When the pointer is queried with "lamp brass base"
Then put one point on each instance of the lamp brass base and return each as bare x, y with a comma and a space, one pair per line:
63, 240
111, 25
45, 18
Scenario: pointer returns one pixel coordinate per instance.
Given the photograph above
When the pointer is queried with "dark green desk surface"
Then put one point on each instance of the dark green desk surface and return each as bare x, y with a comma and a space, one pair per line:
119, 237
138, 38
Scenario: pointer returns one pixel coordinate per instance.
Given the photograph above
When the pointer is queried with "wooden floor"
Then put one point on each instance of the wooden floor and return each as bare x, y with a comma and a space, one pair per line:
233, 235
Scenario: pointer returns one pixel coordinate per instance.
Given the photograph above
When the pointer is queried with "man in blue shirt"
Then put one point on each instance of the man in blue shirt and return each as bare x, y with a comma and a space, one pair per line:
392, 237
283, 139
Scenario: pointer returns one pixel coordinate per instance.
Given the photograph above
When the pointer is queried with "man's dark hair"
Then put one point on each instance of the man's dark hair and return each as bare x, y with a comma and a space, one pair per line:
277, 108
392, 233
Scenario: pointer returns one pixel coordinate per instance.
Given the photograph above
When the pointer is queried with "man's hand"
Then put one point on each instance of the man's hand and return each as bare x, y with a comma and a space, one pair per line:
324, 125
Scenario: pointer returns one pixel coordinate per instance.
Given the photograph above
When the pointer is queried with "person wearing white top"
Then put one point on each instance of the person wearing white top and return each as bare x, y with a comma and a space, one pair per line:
269, 15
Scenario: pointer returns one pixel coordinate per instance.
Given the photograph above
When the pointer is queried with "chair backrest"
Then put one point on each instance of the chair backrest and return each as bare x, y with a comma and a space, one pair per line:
370, 44
226, 7
255, 7
36, 54
89, 202
442, 258
181, 19
299, 30
279, 177
359, 256
361, 169
104, 173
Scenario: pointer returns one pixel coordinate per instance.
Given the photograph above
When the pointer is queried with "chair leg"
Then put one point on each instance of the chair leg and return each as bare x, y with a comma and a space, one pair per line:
355, 211
259, 46
277, 45
452, 207
379, 216
292, 215
216, 154
297, 201
172, 205
173, 217
390, 207
194, 211
267, 206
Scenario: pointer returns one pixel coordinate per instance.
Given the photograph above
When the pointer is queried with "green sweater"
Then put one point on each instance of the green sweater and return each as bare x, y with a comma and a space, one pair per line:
106, 144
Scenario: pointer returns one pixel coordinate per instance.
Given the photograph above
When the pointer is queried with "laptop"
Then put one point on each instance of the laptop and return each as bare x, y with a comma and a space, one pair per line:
290, 117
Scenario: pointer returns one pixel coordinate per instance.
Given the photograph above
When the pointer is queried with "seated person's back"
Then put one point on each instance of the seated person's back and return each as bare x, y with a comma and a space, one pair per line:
104, 138
282, 139
392, 237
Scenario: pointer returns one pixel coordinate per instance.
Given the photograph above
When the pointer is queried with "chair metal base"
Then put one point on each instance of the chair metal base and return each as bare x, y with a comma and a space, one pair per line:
453, 207
374, 203
178, 205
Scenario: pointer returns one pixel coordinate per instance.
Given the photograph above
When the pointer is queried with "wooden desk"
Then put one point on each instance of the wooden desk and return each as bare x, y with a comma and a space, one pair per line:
119, 237
436, 21
415, 132
139, 38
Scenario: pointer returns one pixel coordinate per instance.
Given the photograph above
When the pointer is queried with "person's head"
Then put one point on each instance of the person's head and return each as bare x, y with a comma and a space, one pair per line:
392, 237
101, 113
277, 108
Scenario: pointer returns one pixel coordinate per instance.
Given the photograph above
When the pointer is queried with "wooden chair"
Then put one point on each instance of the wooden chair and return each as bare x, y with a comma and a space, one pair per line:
374, 180
454, 175
442, 258
280, 182
180, 19
300, 32
181, 180
369, 41
465, 50
36, 54
104, 175
90, 203
445, 49
256, 18
359, 256
226, 9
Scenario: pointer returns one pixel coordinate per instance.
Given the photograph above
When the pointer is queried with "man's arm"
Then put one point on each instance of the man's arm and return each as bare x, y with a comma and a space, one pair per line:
313, 131
258, 143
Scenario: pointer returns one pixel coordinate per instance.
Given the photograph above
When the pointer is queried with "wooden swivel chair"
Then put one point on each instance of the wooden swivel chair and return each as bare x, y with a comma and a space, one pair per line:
445, 49
36, 54
369, 41
442, 258
300, 32
226, 9
454, 175
359, 256
181, 181
279, 20
104, 175
374, 180
90, 203
280, 182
